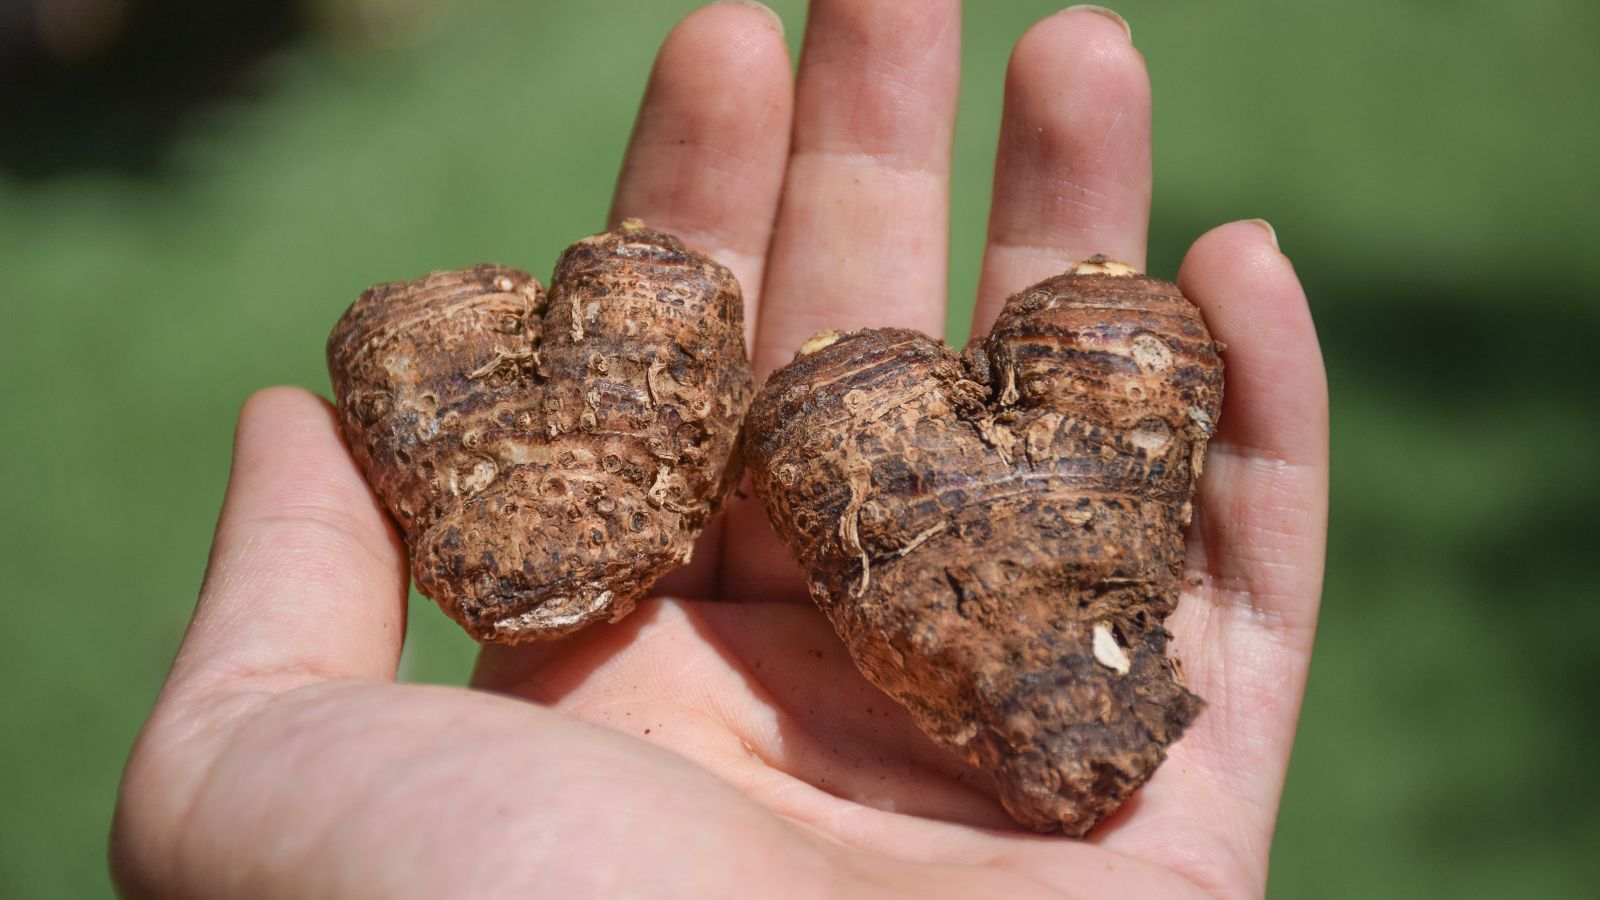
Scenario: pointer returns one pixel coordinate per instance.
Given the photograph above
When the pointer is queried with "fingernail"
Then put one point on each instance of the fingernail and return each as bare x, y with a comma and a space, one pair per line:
1272, 233
777, 21
1110, 14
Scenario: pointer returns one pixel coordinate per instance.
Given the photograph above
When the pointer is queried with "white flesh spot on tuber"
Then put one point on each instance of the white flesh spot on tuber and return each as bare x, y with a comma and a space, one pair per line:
818, 341
1110, 653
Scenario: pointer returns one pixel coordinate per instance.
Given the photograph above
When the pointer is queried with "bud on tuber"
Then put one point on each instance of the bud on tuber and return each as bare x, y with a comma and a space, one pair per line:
998, 536
548, 458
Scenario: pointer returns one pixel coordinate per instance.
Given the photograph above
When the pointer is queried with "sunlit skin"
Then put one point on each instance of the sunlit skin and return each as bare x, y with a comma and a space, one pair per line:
719, 742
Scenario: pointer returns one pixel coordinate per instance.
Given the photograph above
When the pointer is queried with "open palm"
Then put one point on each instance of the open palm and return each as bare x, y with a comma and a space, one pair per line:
719, 742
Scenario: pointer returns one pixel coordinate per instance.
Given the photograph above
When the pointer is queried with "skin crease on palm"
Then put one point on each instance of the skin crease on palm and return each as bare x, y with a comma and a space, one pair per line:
719, 742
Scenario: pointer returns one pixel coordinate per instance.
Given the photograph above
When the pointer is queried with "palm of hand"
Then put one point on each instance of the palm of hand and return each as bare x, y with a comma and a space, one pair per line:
729, 746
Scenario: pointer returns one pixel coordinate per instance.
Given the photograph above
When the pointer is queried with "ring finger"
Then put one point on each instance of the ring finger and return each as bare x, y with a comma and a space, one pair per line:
1072, 173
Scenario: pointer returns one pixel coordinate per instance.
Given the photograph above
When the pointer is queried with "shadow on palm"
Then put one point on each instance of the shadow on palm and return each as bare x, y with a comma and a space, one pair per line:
761, 694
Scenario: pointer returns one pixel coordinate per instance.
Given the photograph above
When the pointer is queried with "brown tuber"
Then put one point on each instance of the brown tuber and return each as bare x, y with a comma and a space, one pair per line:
548, 458
998, 535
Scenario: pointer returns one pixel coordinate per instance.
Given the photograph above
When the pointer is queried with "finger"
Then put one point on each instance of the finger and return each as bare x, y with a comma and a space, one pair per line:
1243, 631
862, 233
1072, 174
307, 579
706, 162
1276, 404
863, 230
707, 154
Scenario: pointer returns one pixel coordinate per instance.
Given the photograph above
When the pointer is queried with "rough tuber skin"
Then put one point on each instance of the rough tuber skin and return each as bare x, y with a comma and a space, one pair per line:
548, 458
998, 535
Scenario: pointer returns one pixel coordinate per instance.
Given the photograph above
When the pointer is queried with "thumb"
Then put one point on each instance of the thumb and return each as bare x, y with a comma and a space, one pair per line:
307, 578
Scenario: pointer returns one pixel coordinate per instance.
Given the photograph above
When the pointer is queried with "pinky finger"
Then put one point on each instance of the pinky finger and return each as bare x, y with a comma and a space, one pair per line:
1255, 556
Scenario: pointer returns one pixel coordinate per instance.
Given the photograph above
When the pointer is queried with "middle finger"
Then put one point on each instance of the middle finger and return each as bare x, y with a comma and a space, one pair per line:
863, 231
863, 228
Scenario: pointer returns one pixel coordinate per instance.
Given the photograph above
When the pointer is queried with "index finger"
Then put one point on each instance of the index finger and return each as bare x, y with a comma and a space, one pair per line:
706, 162
706, 158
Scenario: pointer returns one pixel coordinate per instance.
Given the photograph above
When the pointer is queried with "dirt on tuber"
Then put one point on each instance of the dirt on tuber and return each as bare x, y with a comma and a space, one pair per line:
998, 535
548, 457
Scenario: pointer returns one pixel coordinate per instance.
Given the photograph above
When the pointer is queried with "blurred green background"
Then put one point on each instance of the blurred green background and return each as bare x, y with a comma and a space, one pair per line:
182, 230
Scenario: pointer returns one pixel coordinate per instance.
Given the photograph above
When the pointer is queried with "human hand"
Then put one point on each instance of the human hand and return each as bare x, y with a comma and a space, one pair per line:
706, 748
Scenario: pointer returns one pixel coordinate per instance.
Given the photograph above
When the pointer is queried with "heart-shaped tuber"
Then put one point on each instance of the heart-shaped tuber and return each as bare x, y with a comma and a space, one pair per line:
998, 535
548, 458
